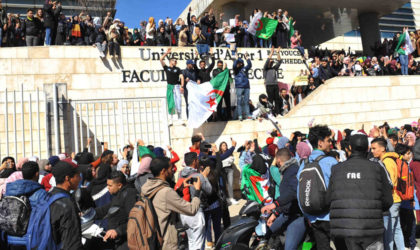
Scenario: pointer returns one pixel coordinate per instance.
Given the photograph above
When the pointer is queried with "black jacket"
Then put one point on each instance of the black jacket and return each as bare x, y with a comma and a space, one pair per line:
65, 222
204, 74
51, 15
359, 192
125, 200
287, 202
32, 28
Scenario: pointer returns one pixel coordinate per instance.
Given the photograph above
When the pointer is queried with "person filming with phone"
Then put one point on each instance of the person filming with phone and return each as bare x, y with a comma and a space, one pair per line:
195, 223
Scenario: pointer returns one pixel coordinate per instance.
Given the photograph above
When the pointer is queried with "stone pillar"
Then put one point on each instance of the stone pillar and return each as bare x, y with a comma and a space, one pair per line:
369, 30
232, 9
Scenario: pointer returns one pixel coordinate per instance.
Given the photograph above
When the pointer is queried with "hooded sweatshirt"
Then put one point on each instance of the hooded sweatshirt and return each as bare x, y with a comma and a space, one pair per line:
167, 204
205, 184
389, 161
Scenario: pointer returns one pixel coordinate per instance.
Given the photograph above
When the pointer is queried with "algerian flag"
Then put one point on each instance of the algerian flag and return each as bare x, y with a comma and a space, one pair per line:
407, 48
257, 185
291, 28
203, 98
252, 29
266, 28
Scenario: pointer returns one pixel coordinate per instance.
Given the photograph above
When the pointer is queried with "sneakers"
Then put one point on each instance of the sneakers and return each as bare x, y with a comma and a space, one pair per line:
232, 201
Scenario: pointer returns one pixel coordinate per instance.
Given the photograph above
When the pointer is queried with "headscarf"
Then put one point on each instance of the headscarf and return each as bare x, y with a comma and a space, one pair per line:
121, 163
34, 159
272, 150
158, 151
411, 138
282, 141
303, 150
42, 163
144, 165
20, 163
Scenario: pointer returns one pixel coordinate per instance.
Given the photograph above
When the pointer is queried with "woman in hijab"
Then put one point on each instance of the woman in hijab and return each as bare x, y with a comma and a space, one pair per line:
136, 38
124, 168
7, 167
410, 139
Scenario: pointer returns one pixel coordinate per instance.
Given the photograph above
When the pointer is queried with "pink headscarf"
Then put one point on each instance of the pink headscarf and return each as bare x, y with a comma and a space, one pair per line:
144, 165
20, 163
411, 139
303, 150
17, 175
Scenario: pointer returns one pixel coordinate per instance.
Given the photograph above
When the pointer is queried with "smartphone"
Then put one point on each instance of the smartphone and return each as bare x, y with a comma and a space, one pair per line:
192, 180
102, 143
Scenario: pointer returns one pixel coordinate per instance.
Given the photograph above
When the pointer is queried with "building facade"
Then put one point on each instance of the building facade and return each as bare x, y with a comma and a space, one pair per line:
69, 7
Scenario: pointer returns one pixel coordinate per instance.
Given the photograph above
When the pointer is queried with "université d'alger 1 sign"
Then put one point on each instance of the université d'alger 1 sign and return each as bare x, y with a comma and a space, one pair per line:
149, 68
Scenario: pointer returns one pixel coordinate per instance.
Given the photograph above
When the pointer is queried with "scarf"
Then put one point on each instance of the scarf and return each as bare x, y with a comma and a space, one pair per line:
287, 164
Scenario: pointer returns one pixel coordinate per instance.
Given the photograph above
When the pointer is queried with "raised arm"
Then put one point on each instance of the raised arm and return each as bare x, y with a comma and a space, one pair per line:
162, 58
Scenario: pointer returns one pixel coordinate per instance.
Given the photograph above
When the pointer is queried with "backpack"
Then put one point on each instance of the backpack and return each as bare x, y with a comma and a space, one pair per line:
40, 229
14, 214
405, 180
312, 189
143, 232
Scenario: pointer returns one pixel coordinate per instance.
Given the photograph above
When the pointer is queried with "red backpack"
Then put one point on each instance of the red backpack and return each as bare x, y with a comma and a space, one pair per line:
405, 181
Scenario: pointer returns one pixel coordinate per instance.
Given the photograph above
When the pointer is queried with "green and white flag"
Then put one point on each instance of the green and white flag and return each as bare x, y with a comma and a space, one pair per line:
262, 27
203, 98
404, 46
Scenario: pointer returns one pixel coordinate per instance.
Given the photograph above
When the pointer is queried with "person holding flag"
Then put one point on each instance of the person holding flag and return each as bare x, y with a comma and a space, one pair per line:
262, 26
404, 49
204, 98
175, 87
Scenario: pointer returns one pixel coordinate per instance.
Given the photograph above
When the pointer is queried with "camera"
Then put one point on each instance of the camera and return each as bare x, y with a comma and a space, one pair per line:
192, 180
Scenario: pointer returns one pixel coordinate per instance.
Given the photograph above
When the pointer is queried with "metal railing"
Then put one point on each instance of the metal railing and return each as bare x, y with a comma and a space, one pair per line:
118, 122
27, 124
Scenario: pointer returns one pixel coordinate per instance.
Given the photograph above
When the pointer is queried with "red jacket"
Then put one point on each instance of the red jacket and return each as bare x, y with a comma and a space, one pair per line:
174, 160
415, 168
46, 182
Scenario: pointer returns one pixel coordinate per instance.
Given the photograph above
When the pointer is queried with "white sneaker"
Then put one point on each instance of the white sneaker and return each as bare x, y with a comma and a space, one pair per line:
233, 201
416, 248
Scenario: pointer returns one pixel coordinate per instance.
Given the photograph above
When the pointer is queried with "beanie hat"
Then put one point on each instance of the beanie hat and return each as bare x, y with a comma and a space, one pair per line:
269, 140
272, 150
53, 160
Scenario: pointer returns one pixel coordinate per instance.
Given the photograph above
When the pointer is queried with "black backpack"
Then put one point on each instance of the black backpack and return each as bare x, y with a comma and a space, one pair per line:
312, 188
14, 215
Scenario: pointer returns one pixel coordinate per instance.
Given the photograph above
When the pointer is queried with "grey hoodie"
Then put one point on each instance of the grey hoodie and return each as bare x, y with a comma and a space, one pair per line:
205, 184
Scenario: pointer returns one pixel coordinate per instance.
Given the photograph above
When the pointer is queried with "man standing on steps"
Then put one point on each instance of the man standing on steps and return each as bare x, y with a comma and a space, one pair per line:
190, 73
175, 86
271, 68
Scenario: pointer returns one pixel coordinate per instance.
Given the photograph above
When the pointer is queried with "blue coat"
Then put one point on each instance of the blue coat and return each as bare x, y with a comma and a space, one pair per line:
326, 164
241, 75
22, 187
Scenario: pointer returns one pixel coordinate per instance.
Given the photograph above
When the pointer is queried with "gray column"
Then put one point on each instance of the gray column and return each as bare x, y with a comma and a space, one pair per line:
369, 30
232, 9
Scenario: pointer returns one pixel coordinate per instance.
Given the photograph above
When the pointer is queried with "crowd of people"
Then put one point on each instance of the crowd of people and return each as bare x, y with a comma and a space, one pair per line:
360, 170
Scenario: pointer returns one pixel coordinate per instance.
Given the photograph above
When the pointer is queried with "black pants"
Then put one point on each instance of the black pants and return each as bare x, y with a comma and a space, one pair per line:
321, 232
359, 243
274, 97
227, 114
114, 48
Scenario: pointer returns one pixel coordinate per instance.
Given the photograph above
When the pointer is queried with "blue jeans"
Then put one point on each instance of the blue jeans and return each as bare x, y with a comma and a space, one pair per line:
48, 36
295, 230
404, 64
393, 232
242, 102
213, 217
